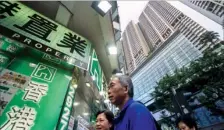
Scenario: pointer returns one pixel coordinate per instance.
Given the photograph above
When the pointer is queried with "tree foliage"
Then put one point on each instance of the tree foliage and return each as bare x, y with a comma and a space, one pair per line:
209, 36
205, 74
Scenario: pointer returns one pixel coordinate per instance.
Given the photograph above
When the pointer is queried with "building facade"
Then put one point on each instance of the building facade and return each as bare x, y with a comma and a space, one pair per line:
121, 57
211, 9
135, 47
159, 20
177, 52
175, 40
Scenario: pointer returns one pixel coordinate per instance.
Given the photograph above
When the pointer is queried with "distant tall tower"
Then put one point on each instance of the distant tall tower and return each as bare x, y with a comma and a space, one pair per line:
213, 9
159, 20
135, 47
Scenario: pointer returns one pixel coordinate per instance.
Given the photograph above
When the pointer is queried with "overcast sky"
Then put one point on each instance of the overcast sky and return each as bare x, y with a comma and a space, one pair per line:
131, 10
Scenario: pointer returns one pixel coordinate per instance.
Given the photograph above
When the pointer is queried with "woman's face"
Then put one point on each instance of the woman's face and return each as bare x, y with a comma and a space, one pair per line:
183, 126
102, 122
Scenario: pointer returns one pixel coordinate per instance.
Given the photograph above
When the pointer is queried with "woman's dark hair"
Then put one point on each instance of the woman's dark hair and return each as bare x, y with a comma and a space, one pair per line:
186, 119
109, 115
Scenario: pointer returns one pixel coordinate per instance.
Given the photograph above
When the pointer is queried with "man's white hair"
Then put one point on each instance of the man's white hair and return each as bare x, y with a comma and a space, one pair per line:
125, 81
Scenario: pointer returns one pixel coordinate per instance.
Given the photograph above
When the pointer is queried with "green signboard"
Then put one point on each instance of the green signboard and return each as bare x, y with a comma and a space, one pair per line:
37, 103
8, 49
66, 110
96, 71
22, 24
4, 60
10, 46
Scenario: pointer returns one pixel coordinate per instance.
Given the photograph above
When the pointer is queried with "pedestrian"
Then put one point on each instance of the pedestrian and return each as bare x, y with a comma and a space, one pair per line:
104, 120
133, 115
186, 123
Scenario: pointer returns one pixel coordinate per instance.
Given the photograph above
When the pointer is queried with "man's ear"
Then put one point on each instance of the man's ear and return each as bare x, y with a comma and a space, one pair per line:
126, 89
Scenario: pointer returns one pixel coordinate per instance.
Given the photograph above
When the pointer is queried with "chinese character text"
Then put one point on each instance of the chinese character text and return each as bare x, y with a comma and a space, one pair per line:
8, 8
20, 118
35, 91
38, 26
74, 42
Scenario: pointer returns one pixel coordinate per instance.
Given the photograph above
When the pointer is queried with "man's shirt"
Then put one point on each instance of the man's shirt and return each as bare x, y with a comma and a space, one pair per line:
134, 116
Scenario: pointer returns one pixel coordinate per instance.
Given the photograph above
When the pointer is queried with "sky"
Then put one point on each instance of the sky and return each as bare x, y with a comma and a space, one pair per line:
131, 10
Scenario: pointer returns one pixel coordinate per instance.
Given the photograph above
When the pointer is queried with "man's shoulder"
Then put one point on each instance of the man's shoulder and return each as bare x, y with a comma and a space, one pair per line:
136, 105
139, 110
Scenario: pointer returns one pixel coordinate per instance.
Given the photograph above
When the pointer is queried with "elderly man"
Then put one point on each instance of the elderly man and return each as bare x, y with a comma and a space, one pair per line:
133, 115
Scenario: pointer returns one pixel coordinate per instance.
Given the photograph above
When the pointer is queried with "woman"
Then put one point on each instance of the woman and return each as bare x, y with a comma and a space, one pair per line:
104, 120
186, 123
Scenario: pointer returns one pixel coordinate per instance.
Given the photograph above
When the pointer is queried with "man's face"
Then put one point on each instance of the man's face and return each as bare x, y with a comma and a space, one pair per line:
116, 92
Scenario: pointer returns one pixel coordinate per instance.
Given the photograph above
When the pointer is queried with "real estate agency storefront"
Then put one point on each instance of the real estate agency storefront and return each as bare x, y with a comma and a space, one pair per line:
39, 59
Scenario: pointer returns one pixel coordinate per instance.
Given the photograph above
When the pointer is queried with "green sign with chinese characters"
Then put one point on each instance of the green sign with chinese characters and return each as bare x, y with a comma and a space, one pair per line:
96, 71
66, 110
26, 26
37, 105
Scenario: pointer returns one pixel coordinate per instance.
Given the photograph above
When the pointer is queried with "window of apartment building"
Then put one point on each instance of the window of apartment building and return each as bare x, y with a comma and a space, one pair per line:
218, 1
215, 8
192, 40
203, 3
187, 35
210, 6
193, 1
200, 3
220, 13
196, 3
174, 22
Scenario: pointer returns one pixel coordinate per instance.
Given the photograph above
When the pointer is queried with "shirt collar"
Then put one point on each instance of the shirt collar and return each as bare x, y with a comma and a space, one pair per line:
130, 101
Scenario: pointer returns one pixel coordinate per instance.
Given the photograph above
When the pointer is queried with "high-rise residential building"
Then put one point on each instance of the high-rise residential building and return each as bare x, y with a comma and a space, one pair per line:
127, 53
174, 40
135, 47
121, 57
176, 52
159, 20
213, 9
150, 34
